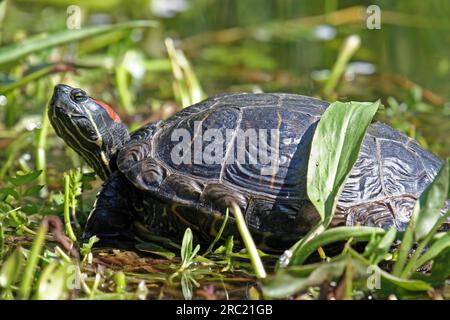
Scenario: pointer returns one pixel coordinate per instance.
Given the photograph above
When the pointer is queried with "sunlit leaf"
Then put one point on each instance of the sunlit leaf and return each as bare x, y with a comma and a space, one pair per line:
334, 150
432, 201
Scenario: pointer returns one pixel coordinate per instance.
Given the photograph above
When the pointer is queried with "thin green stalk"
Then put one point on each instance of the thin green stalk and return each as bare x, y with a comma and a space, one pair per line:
218, 236
95, 286
27, 279
348, 295
2, 242
405, 247
120, 280
351, 44
41, 147
34, 76
257, 264
126, 100
67, 224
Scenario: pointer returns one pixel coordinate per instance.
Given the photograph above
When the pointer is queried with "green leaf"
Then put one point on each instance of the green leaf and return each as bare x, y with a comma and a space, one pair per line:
219, 234
43, 41
436, 248
87, 247
335, 148
291, 280
21, 179
186, 286
410, 285
10, 192
29, 209
187, 253
432, 201
32, 191
186, 245
440, 272
383, 246
332, 235
32, 261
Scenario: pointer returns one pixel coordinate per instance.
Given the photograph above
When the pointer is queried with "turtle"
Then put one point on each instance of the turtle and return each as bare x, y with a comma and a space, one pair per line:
187, 170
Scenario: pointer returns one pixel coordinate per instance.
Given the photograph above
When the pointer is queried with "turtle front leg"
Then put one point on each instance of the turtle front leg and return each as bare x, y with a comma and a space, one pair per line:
112, 216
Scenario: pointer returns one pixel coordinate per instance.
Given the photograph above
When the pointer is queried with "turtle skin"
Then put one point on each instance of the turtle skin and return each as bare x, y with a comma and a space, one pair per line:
391, 172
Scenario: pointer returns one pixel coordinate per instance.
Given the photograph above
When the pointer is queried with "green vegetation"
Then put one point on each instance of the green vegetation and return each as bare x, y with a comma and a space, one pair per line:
151, 66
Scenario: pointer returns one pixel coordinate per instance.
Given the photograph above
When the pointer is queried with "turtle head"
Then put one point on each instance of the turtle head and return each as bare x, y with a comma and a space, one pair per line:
88, 126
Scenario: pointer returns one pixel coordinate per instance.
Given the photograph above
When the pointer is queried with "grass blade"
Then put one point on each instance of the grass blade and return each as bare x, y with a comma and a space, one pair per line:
28, 275
43, 41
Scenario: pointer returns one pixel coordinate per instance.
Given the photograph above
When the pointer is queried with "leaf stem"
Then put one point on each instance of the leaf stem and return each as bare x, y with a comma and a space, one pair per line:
257, 264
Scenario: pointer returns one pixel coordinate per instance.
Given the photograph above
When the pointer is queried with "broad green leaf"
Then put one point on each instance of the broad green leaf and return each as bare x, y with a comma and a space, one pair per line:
440, 271
330, 236
43, 41
432, 201
24, 178
334, 150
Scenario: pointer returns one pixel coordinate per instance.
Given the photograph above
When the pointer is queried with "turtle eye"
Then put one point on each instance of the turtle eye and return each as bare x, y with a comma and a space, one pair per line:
78, 95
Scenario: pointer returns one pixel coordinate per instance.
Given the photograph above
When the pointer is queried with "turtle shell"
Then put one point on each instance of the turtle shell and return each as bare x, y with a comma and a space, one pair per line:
391, 171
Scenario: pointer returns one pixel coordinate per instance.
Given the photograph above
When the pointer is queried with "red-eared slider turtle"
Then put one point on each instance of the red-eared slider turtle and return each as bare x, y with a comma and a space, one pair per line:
186, 170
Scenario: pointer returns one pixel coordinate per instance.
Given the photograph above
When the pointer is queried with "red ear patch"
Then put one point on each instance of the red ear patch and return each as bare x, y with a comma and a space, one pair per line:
110, 111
